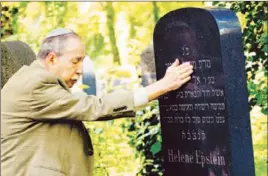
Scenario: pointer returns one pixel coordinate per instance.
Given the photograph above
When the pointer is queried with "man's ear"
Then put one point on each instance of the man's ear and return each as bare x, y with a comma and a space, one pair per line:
51, 58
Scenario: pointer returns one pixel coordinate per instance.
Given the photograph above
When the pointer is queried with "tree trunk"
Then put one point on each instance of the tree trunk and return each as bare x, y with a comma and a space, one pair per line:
110, 24
132, 31
62, 13
155, 11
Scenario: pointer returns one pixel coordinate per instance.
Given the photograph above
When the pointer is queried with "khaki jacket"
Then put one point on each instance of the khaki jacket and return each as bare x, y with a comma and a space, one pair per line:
42, 133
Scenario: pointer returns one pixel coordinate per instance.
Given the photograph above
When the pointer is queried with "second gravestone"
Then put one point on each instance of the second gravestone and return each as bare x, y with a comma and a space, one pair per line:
205, 124
89, 78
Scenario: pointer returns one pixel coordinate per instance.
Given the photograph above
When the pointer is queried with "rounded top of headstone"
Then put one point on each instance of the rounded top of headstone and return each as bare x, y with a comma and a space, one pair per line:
59, 31
14, 54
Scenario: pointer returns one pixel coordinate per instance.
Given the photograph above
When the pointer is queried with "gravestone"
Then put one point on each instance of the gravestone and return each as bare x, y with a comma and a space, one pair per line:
89, 78
147, 65
14, 55
205, 124
87, 81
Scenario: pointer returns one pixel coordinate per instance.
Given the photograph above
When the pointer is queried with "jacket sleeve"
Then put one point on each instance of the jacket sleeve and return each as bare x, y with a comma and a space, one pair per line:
50, 101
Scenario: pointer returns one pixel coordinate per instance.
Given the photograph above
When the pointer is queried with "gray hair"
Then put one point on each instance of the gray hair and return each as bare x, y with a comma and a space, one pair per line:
55, 42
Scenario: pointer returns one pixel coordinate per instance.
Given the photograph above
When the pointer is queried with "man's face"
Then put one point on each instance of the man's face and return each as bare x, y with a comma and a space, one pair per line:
68, 66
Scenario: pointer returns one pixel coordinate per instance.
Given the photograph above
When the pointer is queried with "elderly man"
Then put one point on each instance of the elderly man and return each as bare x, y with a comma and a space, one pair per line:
42, 133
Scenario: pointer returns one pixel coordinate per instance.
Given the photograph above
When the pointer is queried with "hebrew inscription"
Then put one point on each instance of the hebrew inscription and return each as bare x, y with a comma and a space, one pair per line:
193, 118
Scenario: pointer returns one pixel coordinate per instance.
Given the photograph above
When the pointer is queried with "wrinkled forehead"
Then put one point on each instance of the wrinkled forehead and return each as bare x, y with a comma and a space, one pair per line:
74, 43
73, 47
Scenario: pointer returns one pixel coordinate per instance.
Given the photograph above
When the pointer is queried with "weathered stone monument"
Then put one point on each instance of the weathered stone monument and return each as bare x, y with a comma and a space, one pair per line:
147, 65
89, 76
87, 82
205, 124
14, 55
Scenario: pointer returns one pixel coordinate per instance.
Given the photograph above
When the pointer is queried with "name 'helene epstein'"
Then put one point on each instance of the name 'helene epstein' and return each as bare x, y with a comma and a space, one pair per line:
197, 157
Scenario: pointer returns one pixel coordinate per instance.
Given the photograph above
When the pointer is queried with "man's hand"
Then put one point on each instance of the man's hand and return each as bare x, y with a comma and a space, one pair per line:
176, 75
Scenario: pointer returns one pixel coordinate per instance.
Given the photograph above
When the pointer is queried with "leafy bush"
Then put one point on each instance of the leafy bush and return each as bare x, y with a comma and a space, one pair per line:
145, 136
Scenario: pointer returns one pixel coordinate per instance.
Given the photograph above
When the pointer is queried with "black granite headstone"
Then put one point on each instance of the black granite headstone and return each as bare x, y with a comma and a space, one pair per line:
205, 124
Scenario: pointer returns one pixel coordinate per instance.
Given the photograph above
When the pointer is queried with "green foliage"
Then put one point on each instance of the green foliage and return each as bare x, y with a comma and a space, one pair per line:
255, 38
9, 17
145, 135
96, 45
55, 11
259, 133
113, 156
110, 24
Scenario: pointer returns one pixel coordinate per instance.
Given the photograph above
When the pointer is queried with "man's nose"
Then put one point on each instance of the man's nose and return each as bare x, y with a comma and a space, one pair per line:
80, 69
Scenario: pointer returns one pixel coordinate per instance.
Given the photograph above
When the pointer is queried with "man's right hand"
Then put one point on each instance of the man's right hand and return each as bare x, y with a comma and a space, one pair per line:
176, 75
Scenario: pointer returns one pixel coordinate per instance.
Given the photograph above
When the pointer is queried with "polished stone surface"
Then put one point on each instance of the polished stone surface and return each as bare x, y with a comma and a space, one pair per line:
205, 125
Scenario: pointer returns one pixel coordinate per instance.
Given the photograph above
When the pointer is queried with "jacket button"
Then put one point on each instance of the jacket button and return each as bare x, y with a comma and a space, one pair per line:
90, 152
120, 109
